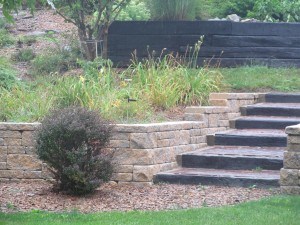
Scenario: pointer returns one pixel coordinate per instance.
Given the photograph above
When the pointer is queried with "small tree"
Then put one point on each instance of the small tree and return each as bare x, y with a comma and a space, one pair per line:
72, 142
92, 18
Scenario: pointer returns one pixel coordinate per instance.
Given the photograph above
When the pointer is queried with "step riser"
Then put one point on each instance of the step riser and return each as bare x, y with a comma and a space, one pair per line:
249, 141
218, 181
248, 111
282, 98
248, 124
234, 163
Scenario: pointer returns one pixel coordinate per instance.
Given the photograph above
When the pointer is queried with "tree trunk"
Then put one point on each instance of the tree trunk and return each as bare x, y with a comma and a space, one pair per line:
105, 44
88, 46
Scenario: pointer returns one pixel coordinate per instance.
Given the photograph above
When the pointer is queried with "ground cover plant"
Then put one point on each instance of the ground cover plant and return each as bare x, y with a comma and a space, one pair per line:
262, 79
276, 210
7, 74
110, 91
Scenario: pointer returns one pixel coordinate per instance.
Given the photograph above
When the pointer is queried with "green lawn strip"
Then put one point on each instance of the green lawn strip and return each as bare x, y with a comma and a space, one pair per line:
261, 78
272, 211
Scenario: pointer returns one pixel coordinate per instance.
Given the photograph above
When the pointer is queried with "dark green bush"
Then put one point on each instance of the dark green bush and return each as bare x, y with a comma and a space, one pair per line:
72, 142
24, 55
222, 8
277, 10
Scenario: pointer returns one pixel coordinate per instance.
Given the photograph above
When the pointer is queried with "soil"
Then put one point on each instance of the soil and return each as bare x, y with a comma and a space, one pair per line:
26, 196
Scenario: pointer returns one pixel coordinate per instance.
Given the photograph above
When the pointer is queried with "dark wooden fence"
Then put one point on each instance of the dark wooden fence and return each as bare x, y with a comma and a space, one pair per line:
226, 43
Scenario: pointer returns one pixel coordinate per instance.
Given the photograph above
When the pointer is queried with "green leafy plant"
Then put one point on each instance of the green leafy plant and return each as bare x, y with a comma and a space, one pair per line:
72, 142
277, 10
24, 55
7, 75
135, 10
5, 38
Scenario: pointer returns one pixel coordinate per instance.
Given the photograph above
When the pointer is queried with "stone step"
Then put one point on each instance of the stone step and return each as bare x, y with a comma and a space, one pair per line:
234, 158
272, 109
249, 137
264, 122
232, 178
282, 97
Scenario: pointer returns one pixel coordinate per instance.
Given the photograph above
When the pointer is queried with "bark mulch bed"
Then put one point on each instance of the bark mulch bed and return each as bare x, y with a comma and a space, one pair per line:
27, 196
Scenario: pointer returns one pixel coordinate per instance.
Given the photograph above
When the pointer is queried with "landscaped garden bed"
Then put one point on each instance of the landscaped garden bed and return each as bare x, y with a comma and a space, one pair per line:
43, 69
27, 196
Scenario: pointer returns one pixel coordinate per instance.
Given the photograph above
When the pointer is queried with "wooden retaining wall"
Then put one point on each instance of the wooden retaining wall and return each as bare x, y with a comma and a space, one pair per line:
229, 43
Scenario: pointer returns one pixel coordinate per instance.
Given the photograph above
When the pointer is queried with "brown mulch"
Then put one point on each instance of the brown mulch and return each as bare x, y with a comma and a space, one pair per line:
27, 196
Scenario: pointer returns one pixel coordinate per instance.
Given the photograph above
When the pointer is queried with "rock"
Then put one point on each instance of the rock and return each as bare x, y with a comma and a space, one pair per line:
234, 18
36, 33
112, 183
251, 20
214, 19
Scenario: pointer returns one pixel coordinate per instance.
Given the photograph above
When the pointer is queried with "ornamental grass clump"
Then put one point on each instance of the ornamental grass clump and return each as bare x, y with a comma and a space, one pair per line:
72, 142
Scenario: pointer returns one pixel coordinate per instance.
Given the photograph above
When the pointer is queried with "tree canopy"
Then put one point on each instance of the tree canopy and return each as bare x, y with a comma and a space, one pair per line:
9, 6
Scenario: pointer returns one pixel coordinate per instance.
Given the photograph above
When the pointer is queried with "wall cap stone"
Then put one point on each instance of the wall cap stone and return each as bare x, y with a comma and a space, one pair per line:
19, 126
234, 96
157, 127
295, 130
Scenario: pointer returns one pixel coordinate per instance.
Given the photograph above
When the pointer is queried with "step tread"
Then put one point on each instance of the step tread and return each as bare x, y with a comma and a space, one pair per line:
275, 105
269, 118
253, 133
240, 151
282, 97
283, 94
246, 174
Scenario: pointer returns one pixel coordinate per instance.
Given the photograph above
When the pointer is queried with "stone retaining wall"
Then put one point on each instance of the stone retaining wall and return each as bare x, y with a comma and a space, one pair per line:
141, 150
17, 154
290, 173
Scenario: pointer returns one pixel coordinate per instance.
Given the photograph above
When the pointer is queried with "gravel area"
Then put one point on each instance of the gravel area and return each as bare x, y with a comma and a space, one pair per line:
27, 196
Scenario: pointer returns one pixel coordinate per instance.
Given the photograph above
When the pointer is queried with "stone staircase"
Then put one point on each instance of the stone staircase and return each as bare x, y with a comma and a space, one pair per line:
250, 153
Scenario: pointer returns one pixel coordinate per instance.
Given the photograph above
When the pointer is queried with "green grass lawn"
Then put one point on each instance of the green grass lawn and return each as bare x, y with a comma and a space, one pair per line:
273, 211
262, 79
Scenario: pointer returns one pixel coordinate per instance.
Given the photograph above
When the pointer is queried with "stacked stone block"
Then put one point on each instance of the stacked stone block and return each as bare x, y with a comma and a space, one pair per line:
290, 173
223, 107
17, 153
149, 149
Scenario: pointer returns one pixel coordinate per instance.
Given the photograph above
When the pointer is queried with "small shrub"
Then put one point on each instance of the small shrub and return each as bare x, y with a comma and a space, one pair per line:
7, 75
5, 38
61, 57
52, 61
24, 55
3, 23
72, 142
29, 40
